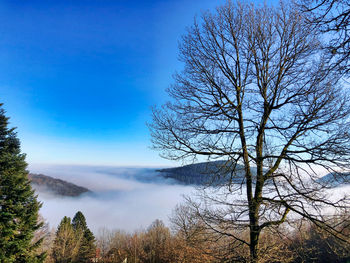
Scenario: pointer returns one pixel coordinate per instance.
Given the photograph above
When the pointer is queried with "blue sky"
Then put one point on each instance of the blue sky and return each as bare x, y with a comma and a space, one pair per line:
78, 78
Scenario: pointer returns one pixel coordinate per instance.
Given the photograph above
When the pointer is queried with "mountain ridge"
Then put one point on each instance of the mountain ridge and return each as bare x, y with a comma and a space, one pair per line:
48, 184
204, 173
219, 172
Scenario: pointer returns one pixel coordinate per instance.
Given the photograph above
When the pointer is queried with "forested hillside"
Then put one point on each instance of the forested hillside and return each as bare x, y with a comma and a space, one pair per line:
55, 186
335, 179
216, 172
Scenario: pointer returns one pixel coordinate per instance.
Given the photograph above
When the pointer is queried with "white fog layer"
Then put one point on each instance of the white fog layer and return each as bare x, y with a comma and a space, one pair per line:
125, 198
121, 198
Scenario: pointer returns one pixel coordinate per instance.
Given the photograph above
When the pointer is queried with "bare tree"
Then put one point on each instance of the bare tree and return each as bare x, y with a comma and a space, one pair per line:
256, 91
312, 244
200, 243
332, 18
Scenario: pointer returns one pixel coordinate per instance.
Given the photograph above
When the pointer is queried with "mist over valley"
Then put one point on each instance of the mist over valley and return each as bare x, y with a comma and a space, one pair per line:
119, 197
127, 198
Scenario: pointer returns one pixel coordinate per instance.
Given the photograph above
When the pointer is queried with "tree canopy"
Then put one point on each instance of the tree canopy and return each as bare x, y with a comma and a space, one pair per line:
18, 203
257, 90
332, 19
74, 241
87, 248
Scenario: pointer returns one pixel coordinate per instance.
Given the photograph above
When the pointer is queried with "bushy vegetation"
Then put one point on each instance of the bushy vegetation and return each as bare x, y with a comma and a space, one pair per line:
189, 240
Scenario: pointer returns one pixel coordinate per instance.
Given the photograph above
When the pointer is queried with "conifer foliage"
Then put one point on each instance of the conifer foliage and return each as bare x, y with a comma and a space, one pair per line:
18, 203
87, 246
66, 244
74, 241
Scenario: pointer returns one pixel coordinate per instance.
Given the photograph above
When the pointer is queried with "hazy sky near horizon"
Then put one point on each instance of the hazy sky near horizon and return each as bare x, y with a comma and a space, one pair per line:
78, 78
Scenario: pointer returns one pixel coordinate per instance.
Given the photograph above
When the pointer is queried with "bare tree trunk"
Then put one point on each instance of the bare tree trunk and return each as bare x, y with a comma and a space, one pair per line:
254, 234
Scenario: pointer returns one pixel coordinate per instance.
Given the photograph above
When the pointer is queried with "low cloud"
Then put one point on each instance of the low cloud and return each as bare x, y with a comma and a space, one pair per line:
123, 198
126, 198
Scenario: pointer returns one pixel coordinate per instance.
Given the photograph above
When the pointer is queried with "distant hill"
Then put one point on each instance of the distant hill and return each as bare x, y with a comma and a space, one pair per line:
216, 172
44, 183
335, 179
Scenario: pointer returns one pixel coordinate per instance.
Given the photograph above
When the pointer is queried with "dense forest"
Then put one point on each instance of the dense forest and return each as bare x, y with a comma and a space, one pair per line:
44, 183
205, 173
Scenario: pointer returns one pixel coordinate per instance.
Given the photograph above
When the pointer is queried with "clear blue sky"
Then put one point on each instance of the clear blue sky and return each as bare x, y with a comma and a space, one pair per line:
78, 77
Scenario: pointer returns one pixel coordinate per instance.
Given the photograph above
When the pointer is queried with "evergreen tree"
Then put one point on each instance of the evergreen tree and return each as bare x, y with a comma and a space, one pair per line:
87, 248
66, 244
79, 221
18, 204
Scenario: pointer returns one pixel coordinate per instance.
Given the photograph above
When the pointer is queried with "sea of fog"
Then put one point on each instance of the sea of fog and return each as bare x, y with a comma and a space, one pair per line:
121, 198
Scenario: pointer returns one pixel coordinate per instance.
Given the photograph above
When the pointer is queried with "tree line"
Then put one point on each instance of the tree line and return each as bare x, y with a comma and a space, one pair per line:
190, 240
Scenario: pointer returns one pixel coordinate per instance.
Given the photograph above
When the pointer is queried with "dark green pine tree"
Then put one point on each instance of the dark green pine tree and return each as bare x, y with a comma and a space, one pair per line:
87, 248
19, 206
79, 221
